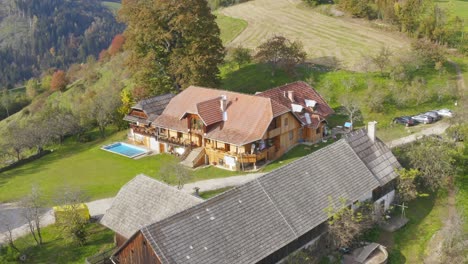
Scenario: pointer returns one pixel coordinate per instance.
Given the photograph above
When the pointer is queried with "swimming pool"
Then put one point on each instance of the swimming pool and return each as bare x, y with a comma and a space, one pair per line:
125, 149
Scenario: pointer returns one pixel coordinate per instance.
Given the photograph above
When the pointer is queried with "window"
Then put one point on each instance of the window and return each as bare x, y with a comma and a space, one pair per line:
291, 135
286, 121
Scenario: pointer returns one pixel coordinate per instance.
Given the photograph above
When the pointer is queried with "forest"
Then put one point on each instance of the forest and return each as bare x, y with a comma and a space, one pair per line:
37, 35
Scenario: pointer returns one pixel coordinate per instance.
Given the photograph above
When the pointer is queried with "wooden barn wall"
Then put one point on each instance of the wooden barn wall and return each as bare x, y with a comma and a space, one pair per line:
138, 251
119, 240
294, 245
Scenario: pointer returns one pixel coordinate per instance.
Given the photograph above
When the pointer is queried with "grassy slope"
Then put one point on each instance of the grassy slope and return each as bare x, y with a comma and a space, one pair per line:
230, 27
113, 6
58, 250
99, 173
323, 36
425, 215
254, 77
458, 7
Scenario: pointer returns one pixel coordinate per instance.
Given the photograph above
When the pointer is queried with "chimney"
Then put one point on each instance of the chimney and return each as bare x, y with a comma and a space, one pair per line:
371, 130
223, 103
291, 96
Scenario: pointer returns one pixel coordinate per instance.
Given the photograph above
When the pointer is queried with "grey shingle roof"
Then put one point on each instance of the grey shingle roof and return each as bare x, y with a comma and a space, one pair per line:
250, 222
377, 156
154, 106
143, 201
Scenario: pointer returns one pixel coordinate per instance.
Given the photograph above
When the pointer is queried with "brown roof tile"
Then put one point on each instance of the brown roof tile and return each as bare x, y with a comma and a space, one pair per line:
301, 92
248, 116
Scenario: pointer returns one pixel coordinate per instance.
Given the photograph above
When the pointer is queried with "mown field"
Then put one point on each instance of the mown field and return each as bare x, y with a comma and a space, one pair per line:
324, 37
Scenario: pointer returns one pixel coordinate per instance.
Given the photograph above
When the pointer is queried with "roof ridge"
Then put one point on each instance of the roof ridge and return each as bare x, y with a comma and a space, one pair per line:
276, 208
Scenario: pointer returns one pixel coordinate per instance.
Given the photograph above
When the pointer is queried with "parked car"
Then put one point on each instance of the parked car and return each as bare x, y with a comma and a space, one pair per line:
445, 112
404, 120
435, 116
425, 119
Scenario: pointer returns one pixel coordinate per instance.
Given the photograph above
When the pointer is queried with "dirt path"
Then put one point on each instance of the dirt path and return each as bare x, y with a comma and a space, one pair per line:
324, 37
436, 129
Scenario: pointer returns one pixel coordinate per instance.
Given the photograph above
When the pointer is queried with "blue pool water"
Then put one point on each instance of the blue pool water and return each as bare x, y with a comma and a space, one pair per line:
125, 149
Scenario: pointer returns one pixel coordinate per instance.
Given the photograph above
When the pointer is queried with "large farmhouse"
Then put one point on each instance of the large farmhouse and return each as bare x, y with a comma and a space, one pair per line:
234, 130
268, 218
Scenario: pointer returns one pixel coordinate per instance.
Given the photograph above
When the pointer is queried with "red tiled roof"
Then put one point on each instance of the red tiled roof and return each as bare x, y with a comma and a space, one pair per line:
301, 91
210, 111
248, 116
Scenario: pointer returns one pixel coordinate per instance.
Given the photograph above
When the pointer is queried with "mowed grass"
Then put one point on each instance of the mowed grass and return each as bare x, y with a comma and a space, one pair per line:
113, 6
230, 27
58, 250
85, 166
324, 37
458, 7
425, 215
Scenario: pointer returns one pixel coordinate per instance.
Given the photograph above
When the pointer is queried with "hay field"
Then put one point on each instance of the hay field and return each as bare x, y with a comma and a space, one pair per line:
323, 36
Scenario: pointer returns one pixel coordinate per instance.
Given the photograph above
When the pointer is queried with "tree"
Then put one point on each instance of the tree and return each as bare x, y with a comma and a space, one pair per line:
33, 204
406, 188
103, 105
382, 59
350, 106
345, 223
174, 171
173, 44
32, 88
6, 100
59, 81
116, 45
281, 53
241, 56
16, 138
433, 158
72, 221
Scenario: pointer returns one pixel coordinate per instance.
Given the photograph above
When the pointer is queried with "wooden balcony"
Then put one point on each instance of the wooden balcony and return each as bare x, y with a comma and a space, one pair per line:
147, 131
218, 154
274, 132
174, 141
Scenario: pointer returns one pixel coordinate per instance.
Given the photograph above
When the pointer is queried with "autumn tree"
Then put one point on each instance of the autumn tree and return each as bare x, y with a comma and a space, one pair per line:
173, 44
241, 56
346, 223
433, 158
382, 59
6, 100
175, 172
116, 45
33, 205
282, 53
59, 81
406, 187
350, 106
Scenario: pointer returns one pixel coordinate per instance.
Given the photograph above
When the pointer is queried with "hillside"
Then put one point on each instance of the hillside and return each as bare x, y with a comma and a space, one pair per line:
40, 34
324, 37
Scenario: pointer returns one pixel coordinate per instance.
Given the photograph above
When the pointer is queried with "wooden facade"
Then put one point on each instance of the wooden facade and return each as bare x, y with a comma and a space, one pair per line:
137, 251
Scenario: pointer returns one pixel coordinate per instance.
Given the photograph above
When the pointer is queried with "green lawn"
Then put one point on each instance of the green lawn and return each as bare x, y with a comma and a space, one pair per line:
425, 215
295, 153
230, 27
458, 7
461, 183
208, 194
97, 172
58, 250
113, 6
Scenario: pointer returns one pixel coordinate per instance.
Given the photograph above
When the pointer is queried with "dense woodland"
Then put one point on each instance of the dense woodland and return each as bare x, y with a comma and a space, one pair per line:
46, 34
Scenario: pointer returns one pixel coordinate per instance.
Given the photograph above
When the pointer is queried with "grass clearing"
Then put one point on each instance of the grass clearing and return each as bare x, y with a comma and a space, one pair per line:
84, 165
230, 27
113, 6
295, 153
58, 250
425, 215
323, 36
457, 7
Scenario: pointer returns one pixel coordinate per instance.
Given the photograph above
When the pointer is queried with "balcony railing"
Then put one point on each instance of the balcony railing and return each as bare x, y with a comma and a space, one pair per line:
147, 131
275, 132
175, 141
